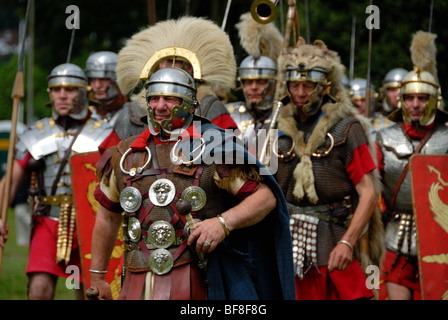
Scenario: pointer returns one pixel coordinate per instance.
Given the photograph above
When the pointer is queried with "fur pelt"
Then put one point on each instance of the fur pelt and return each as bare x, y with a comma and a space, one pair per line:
370, 248
315, 55
259, 39
202, 36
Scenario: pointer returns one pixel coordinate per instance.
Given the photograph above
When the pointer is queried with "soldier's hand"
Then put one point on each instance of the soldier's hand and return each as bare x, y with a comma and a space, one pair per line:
340, 258
103, 289
3, 234
209, 233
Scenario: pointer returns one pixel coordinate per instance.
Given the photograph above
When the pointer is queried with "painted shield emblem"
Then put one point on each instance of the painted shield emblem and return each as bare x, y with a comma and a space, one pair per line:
84, 184
430, 196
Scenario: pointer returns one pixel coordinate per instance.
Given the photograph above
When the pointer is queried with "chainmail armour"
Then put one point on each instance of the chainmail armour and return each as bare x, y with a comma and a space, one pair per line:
136, 260
331, 181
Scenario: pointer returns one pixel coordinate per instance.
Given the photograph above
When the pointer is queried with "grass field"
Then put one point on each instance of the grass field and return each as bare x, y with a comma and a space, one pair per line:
13, 280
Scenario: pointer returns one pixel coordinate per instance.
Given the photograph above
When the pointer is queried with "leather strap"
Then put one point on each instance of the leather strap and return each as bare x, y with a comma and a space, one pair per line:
133, 286
64, 160
181, 277
406, 168
162, 287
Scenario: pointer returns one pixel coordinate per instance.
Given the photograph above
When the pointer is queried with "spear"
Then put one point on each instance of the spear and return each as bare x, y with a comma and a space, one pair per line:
226, 14
17, 95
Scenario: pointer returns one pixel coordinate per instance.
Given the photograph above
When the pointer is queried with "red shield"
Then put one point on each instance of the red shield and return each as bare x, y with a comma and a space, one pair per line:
84, 184
430, 196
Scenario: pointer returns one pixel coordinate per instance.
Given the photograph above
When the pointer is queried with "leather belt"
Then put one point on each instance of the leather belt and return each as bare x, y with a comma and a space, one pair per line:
322, 212
57, 200
135, 246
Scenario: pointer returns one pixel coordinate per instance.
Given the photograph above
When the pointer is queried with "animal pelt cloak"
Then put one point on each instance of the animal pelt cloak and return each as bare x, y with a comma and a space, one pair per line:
370, 248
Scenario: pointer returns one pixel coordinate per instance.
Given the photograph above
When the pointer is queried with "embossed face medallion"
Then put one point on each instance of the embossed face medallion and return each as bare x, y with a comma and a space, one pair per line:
130, 199
196, 196
161, 234
162, 192
161, 261
134, 229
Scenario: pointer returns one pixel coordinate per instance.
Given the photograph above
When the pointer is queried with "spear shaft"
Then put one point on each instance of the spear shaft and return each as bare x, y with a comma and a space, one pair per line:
18, 92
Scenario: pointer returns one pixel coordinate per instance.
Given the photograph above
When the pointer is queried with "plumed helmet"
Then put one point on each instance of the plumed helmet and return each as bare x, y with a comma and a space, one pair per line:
202, 39
102, 65
418, 81
177, 83
67, 75
423, 78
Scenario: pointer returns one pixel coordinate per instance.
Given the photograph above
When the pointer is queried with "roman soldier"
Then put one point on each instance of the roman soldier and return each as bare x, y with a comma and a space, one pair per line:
358, 94
113, 106
389, 94
45, 149
326, 170
420, 128
194, 44
256, 74
195, 222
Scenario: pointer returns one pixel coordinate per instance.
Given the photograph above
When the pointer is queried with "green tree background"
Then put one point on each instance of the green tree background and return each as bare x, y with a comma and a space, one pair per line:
105, 25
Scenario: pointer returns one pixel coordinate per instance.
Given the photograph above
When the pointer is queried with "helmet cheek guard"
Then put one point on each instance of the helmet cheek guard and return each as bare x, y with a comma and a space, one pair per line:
177, 83
418, 81
70, 75
316, 75
259, 67
102, 64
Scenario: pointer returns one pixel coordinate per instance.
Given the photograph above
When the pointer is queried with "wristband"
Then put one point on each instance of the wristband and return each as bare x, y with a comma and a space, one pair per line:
346, 243
98, 271
224, 225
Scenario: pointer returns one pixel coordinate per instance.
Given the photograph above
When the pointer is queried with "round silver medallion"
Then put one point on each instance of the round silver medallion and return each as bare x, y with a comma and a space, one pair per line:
197, 197
130, 199
162, 192
161, 234
134, 229
161, 261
